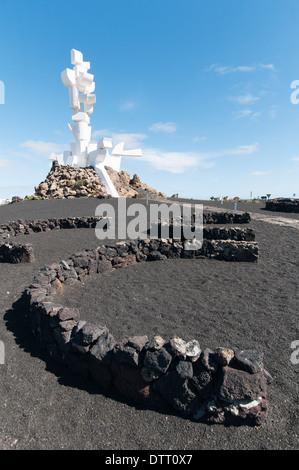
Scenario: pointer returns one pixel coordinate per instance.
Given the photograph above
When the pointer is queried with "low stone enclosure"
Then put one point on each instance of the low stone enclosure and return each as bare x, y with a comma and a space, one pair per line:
217, 386
230, 244
224, 385
283, 205
12, 252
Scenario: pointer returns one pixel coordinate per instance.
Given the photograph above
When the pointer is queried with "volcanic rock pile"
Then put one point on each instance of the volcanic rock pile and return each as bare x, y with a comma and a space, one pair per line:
67, 182
16, 253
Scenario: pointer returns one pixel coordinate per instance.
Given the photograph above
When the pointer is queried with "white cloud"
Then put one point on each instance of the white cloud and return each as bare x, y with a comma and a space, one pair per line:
241, 150
261, 173
7, 192
3, 162
267, 66
41, 148
179, 162
243, 68
27, 156
242, 114
244, 99
295, 159
199, 138
254, 116
273, 112
59, 132
225, 69
128, 106
175, 162
246, 113
132, 140
168, 127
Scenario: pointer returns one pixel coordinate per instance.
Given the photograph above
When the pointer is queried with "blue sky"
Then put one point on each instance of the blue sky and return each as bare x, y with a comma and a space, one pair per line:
202, 86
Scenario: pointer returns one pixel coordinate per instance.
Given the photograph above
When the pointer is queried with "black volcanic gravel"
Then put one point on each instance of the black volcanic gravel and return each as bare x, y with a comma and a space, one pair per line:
220, 304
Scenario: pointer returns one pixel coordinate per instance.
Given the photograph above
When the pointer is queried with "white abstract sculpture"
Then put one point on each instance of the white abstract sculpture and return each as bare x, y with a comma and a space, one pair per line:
83, 153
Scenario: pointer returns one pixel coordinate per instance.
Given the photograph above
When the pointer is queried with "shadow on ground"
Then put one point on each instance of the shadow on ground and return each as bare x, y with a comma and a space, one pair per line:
17, 322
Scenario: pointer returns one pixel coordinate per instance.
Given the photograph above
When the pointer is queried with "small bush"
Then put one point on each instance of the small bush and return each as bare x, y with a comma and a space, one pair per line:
79, 183
33, 197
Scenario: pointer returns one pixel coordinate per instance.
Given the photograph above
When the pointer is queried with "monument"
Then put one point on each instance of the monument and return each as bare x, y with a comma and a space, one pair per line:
84, 153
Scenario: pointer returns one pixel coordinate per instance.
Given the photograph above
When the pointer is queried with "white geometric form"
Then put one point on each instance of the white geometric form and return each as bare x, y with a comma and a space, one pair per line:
83, 153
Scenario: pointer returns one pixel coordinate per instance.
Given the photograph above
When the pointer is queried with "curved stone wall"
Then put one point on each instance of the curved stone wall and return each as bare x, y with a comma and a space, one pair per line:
217, 386
26, 227
12, 252
229, 244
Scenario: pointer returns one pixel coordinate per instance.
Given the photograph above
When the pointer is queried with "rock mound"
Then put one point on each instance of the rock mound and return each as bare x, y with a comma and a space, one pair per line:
121, 182
143, 190
67, 182
64, 181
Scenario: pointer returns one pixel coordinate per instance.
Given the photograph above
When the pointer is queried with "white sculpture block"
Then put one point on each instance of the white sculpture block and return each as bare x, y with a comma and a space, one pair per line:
66, 154
105, 143
88, 108
78, 147
81, 130
74, 98
80, 116
84, 80
91, 88
76, 57
84, 153
68, 77
87, 98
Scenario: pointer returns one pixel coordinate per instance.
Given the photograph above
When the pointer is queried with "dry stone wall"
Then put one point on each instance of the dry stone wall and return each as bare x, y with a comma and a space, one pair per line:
229, 244
12, 252
226, 218
27, 227
283, 205
223, 385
